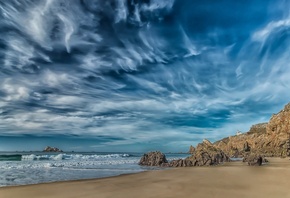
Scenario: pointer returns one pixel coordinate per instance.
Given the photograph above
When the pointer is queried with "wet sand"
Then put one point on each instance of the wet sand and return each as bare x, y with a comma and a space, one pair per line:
234, 179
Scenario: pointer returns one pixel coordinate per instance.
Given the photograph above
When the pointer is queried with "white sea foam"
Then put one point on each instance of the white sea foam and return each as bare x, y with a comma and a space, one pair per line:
72, 157
39, 168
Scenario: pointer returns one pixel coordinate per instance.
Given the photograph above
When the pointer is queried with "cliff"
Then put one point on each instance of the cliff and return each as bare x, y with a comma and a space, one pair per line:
268, 139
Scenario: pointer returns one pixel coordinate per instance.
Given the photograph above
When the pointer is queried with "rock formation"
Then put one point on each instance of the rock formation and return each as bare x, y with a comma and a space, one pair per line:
181, 163
155, 158
205, 154
266, 139
255, 161
191, 149
51, 149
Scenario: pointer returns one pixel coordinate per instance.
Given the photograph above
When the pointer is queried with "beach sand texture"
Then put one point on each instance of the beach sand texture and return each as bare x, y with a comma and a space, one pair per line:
234, 179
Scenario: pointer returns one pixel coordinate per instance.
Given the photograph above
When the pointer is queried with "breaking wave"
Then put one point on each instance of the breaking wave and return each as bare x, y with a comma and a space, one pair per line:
32, 157
72, 157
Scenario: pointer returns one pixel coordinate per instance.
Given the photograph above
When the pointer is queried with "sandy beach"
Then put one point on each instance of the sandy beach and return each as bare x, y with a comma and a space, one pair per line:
233, 179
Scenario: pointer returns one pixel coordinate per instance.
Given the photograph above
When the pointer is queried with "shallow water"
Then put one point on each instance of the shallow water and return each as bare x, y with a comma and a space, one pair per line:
33, 168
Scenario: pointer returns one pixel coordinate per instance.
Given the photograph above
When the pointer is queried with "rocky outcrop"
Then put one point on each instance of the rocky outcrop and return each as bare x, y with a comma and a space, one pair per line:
263, 140
240, 145
155, 158
191, 149
51, 149
258, 128
266, 139
205, 154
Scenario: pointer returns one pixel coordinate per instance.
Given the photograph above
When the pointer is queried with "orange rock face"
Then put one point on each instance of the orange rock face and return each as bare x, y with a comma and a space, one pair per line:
268, 139
191, 149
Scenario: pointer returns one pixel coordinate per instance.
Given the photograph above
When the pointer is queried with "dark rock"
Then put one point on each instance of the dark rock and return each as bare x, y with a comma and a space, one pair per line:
155, 158
254, 160
51, 149
247, 148
181, 163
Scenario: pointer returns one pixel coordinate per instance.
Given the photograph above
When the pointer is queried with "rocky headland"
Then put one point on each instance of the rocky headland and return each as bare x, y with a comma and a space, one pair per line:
266, 139
269, 139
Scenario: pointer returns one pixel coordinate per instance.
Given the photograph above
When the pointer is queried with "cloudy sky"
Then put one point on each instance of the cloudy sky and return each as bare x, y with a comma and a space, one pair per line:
139, 75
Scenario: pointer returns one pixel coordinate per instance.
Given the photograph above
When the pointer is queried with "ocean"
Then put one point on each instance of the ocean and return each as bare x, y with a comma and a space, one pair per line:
22, 168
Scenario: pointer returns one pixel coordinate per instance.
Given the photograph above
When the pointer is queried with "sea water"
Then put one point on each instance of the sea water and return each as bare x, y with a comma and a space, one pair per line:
38, 167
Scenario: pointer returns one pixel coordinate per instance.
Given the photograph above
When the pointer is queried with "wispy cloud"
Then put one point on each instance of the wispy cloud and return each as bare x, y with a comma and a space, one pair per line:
148, 74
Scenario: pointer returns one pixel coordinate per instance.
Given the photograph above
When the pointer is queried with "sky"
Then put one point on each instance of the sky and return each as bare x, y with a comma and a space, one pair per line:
139, 75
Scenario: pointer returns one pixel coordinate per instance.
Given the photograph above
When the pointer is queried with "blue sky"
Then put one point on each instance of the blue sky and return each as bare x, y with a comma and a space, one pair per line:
139, 75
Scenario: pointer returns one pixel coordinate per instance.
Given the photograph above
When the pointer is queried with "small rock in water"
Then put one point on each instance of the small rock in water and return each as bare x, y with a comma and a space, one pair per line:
52, 149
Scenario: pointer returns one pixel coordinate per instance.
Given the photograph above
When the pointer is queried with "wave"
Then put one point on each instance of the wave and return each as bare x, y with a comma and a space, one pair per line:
72, 157
14, 157
54, 157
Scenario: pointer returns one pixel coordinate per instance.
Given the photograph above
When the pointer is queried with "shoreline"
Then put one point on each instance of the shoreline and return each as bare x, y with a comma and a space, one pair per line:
233, 179
115, 176
17, 170
76, 180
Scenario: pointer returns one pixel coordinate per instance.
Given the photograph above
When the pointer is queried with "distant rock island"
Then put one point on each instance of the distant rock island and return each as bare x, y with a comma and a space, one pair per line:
52, 149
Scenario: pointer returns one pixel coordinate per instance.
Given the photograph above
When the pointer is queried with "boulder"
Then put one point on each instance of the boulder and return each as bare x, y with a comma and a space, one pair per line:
155, 158
254, 160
